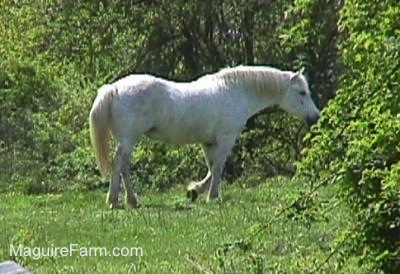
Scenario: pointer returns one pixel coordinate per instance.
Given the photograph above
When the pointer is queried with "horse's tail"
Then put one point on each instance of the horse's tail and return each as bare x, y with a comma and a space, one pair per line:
100, 124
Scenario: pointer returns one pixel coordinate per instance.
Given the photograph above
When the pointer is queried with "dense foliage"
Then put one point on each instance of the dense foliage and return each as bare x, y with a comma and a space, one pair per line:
357, 142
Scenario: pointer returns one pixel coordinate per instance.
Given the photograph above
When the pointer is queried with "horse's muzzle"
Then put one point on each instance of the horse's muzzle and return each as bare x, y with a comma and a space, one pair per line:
311, 120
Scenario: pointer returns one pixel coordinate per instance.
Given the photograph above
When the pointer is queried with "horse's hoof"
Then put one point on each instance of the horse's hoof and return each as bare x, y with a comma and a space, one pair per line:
136, 206
212, 197
192, 195
133, 201
116, 206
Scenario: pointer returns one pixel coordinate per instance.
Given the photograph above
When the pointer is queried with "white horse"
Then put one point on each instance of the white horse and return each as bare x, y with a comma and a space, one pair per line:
211, 110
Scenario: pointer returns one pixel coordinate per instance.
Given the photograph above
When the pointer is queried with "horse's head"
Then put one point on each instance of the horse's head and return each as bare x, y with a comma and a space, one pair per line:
297, 99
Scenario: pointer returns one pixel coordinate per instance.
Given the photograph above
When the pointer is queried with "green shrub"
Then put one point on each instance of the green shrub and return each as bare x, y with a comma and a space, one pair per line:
29, 98
357, 140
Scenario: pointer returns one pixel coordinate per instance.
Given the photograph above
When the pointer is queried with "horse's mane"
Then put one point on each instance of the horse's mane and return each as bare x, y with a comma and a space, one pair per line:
259, 78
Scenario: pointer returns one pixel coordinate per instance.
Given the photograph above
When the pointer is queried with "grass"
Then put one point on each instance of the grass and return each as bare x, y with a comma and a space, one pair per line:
176, 236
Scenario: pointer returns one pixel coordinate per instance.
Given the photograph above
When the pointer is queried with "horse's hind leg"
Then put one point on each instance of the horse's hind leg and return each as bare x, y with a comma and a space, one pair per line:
131, 196
113, 191
120, 167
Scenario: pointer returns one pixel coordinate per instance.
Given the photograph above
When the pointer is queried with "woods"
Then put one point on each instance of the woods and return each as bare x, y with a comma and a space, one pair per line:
54, 55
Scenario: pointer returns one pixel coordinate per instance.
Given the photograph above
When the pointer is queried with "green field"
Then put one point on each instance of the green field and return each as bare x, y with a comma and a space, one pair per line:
176, 236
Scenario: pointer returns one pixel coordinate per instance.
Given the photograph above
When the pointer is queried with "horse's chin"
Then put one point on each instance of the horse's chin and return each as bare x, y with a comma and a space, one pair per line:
310, 121
308, 124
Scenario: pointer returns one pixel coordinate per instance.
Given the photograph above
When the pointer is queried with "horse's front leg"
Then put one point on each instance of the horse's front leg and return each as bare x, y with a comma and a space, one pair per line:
194, 189
220, 153
215, 155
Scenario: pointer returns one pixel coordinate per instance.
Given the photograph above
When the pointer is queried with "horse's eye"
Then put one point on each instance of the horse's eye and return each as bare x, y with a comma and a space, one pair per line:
302, 93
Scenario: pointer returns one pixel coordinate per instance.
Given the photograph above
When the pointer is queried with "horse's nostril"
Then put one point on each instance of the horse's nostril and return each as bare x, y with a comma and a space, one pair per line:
312, 119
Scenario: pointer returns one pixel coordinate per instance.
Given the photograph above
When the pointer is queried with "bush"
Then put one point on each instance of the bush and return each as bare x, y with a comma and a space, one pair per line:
357, 139
29, 98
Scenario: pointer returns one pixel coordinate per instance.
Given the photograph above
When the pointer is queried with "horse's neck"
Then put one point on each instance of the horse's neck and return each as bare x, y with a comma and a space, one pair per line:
251, 100
258, 96
254, 100
258, 102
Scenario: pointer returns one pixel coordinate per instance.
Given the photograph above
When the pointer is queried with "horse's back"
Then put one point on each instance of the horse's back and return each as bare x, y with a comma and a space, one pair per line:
173, 112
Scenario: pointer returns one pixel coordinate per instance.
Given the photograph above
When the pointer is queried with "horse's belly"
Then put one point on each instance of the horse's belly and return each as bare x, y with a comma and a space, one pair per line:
181, 135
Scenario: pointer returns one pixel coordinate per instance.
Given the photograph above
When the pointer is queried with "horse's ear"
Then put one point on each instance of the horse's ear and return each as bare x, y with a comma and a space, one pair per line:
297, 74
294, 76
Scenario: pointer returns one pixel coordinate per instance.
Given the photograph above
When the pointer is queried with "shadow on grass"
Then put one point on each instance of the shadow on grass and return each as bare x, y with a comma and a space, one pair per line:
181, 206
